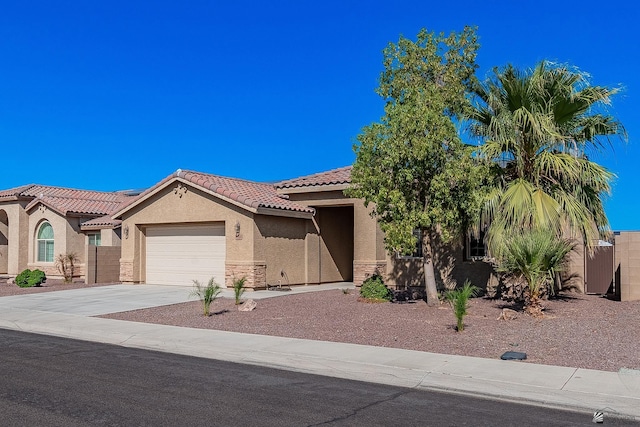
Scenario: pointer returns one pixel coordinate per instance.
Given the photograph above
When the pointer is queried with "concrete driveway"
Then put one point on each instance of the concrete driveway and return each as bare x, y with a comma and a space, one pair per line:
99, 300
102, 300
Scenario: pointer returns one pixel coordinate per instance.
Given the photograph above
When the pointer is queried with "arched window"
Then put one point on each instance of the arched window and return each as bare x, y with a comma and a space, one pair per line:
45, 243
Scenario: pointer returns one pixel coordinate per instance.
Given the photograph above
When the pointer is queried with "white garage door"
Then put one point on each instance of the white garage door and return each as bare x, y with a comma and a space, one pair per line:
178, 255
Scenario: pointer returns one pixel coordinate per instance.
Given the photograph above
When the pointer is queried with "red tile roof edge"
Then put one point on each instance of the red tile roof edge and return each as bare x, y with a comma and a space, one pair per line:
331, 177
100, 222
15, 192
270, 200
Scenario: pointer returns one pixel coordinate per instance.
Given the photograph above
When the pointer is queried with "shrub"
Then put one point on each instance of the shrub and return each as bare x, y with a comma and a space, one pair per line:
238, 288
373, 289
65, 263
206, 294
536, 257
458, 299
29, 278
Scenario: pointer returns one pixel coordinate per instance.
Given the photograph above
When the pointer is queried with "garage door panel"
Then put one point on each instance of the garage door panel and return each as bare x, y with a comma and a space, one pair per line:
177, 255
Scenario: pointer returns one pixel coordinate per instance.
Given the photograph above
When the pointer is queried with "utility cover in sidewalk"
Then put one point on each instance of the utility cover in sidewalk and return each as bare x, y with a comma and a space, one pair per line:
513, 355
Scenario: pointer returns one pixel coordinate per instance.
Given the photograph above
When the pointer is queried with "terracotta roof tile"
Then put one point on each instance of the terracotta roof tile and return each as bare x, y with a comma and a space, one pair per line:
71, 201
332, 177
14, 192
100, 222
251, 194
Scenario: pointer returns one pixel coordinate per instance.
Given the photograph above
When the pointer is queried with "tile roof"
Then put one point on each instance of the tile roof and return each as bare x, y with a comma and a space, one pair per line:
332, 177
100, 222
67, 200
13, 193
251, 194
103, 205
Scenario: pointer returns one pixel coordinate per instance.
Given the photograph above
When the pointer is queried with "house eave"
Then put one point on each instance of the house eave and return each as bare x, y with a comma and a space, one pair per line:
312, 189
285, 213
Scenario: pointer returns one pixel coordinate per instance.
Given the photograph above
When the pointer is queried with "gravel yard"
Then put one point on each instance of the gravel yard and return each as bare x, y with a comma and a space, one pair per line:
48, 286
578, 330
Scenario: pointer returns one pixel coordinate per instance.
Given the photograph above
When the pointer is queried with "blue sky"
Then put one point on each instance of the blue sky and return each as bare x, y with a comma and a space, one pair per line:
117, 95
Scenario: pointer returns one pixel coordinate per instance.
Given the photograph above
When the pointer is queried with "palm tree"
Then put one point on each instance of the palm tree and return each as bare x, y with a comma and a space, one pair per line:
538, 126
535, 256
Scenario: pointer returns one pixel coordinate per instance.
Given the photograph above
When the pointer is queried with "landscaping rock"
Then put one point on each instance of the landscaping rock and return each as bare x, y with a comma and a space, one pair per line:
508, 314
248, 305
11, 281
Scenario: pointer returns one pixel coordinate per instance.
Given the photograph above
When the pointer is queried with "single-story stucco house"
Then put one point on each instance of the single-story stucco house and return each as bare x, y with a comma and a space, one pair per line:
38, 222
303, 231
194, 226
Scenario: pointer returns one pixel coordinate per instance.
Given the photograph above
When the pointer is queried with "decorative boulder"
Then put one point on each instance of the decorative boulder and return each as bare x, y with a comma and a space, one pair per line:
508, 314
248, 305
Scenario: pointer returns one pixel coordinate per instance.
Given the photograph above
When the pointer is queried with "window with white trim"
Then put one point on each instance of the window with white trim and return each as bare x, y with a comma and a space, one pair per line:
45, 242
95, 239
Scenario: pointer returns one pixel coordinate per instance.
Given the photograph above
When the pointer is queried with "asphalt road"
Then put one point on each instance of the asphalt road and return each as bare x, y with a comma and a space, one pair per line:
52, 381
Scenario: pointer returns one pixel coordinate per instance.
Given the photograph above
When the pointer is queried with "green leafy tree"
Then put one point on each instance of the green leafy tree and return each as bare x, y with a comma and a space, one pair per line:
411, 165
538, 126
536, 257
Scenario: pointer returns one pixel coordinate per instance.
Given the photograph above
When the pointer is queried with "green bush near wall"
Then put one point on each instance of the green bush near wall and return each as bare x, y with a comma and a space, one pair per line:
374, 289
30, 278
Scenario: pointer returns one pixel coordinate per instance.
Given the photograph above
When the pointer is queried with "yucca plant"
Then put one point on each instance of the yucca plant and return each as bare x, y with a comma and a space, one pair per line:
458, 298
206, 294
238, 288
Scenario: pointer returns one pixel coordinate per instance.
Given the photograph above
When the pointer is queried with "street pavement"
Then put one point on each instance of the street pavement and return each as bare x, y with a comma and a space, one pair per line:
69, 314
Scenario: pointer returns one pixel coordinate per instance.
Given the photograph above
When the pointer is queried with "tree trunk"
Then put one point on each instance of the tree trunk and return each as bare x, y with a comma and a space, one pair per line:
429, 276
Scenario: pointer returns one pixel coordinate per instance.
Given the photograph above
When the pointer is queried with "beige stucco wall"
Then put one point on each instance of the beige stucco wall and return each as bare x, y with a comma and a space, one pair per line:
280, 242
451, 268
369, 255
108, 236
169, 206
300, 251
16, 251
4, 241
336, 243
67, 239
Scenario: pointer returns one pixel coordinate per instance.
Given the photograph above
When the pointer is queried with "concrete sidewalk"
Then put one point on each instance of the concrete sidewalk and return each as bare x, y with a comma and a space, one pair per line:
65, 314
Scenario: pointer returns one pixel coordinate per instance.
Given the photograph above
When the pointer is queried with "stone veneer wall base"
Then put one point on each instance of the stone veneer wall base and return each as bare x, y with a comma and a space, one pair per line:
126, 271
364, 269
255, 274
